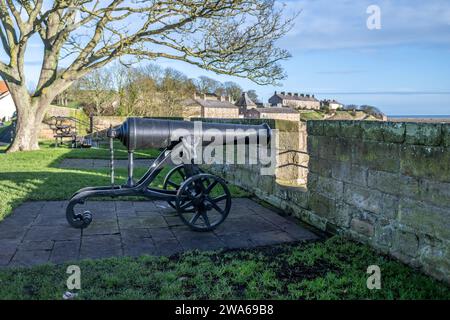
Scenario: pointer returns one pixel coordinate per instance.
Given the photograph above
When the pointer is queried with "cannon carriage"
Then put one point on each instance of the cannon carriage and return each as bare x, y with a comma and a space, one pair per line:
202, 200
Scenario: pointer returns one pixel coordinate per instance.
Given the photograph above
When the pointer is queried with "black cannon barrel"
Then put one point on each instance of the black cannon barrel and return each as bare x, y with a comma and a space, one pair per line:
141, 133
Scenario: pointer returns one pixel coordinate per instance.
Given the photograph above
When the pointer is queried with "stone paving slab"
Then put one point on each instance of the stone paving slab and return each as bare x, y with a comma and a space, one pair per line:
37, 232
101, 164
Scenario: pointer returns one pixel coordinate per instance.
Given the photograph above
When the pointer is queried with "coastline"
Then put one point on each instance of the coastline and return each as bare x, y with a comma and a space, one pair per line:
420, 118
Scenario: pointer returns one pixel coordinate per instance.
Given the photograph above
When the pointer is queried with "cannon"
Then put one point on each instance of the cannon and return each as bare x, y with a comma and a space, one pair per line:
202, 200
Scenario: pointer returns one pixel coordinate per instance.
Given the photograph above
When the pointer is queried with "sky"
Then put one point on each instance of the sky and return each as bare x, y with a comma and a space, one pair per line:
403, 68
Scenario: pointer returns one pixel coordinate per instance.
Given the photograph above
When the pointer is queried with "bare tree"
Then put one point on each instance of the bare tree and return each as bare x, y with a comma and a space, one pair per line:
253, 95
233, 90
234, 37
96, 92
206, 84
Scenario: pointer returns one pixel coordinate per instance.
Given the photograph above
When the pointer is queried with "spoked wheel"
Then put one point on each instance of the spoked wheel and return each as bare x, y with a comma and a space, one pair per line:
203, 202
174, 180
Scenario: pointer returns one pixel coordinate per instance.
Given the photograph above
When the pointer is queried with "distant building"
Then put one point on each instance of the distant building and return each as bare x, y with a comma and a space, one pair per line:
296, 101
7, 105
276, 113
210, 106
332, 104
245, 103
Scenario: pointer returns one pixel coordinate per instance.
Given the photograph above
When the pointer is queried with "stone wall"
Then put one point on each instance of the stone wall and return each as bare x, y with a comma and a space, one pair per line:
291, 154
381, 183
46, 132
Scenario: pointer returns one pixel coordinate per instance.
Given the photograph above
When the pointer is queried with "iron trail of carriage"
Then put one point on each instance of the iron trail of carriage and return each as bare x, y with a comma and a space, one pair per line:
202, 200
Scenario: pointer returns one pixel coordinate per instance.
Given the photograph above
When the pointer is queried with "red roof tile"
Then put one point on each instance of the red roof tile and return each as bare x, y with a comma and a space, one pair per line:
3, 87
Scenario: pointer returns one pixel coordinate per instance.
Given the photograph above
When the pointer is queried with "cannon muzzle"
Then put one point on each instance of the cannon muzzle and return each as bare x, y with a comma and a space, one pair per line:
142, 133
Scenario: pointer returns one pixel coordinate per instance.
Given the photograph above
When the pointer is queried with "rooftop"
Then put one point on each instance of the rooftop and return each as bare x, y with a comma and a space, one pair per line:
3, 88
245, 101
295, 96
276, 110
210, 103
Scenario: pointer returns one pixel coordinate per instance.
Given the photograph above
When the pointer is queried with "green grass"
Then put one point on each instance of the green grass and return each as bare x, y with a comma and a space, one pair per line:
32, 176
333, 269
102, 152
311, 115
5, 126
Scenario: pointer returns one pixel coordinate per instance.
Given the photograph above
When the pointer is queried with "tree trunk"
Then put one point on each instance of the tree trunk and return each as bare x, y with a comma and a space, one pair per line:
29, 118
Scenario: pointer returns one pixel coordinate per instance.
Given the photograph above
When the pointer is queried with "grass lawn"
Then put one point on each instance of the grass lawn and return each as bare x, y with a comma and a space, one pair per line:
5, 126
334, 269
331, 269
28, 176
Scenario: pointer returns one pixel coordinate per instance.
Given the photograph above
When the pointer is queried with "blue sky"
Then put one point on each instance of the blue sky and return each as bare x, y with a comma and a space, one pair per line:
403, 68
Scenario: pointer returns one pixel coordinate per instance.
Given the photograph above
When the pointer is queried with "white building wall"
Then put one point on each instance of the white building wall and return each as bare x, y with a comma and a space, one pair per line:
7, 106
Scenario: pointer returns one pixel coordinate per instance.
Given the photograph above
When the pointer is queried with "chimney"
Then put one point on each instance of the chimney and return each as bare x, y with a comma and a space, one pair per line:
290, 94
313, 96
307, 95
295, 94
204, 96
302, 94
283, 93
222, 98
276, 93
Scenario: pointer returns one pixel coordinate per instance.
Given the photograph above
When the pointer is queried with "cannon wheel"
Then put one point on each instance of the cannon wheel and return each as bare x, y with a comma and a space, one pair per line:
203, 202
174, 179
173, 182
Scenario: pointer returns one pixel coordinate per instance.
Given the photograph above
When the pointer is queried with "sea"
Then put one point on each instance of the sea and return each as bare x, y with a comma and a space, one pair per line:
420, 118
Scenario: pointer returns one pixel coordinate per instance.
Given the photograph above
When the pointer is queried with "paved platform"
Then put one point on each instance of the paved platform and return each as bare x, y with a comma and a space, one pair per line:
101, 164
38, 233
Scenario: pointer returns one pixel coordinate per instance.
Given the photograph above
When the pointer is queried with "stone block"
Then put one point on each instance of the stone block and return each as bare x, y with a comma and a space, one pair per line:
372, 130
322, 205
429, 219
376, 155
327, 148
435, 260
343, 215
393, 183
321, 167
342, 150
437, 193
371, 200
266, 183
406, 243
315, 128
351, 129
65, 251
299, 197
394, 132
313, 146
328, 187
446, 134
347, 172
364, 228
425, 162
428, 134
332, 128
100, 246
384, 236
